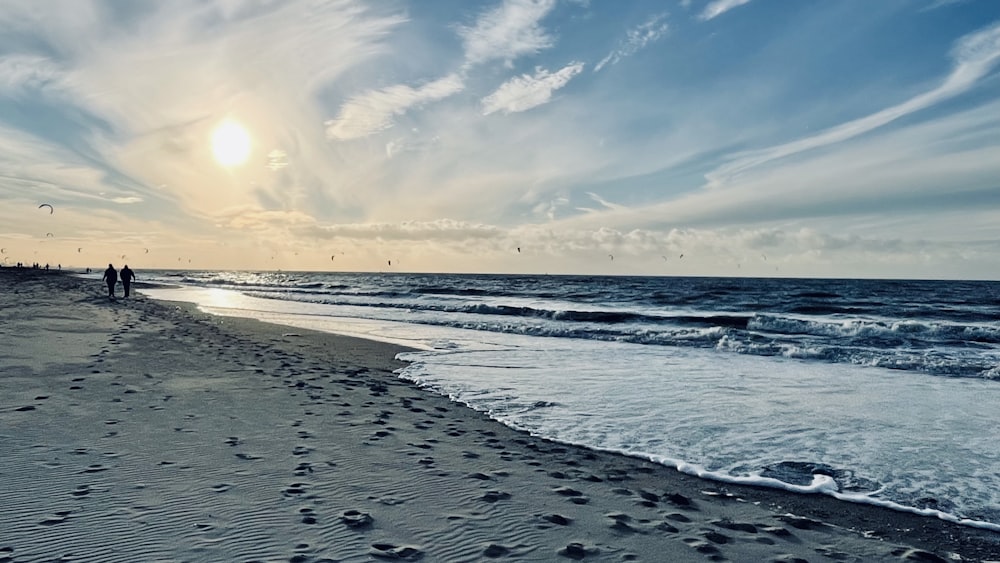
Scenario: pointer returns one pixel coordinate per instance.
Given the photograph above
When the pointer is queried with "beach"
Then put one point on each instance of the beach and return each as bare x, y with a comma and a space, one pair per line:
142, 430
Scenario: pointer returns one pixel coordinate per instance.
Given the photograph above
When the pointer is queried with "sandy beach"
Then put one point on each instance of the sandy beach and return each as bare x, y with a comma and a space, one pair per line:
136, 430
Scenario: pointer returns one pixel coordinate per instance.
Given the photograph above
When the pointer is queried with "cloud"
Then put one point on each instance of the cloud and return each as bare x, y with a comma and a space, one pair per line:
21, 73
719, 7
401, 146
606, 204
941, 4
548, 209
277, 159
974, 56
636, 39
256, 219
526, 91
938, 175
127, 199
374, 111
507, 32
437, 230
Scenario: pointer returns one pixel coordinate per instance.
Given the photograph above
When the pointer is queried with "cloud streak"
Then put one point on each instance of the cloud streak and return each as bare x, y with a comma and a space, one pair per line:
636, 39
507, 32
374, 111
974, 56
719, 7
525, 92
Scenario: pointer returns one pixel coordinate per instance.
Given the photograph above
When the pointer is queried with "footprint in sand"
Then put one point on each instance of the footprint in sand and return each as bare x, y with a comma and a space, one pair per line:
494, 496
567, 492
557, 519
495, 550
680, 500
736, 526
356, 519
295, 489
308, 515
81, 491
578, 551
59, 518
716, 537
665, 527
703, 547
389, 551
777, 531
621, 523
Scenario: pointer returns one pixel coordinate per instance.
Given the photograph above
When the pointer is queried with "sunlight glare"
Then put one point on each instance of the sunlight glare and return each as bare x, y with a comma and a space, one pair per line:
231, 144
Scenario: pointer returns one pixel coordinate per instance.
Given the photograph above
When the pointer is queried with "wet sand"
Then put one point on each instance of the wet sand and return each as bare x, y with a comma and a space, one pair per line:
136, 430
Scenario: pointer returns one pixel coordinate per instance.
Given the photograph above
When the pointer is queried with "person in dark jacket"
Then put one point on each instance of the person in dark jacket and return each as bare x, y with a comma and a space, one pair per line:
127, 276
111, 277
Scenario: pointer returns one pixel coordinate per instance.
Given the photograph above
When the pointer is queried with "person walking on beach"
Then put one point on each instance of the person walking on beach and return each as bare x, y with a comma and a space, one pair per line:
111, 277
127, 276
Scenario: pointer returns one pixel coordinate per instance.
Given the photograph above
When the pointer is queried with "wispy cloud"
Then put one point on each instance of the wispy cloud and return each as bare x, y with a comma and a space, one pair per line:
374, 111
719, 7
20, 74
125, 200
974, 56
437, 230
548, 209
604, 203
528, 91
507, 32
941, 4
636, 39
901, 173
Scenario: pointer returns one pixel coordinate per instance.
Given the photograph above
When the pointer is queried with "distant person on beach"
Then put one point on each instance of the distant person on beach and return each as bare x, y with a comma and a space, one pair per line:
111, 277
127, 276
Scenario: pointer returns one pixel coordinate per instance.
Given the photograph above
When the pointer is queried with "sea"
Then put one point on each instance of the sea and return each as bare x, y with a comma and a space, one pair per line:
883, 392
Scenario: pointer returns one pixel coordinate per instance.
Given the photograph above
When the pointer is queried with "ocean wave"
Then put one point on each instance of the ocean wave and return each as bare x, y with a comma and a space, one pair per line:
936, 332
947, 331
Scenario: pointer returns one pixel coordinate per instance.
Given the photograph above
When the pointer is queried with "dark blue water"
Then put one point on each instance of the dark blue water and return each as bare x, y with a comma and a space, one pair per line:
943, 328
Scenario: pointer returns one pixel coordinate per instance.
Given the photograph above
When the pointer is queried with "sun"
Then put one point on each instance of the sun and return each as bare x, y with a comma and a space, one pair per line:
230, 144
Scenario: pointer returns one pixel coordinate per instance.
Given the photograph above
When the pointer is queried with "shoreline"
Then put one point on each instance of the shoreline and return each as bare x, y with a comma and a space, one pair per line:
385, 468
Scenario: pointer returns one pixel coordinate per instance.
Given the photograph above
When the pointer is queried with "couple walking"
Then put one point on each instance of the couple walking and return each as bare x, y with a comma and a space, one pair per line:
111, 278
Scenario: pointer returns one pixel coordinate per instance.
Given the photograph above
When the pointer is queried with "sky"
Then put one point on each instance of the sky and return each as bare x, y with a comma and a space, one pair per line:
802, 138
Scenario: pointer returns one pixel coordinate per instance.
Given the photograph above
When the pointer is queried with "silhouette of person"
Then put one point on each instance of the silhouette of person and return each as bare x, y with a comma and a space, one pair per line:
111, 277
127, 276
